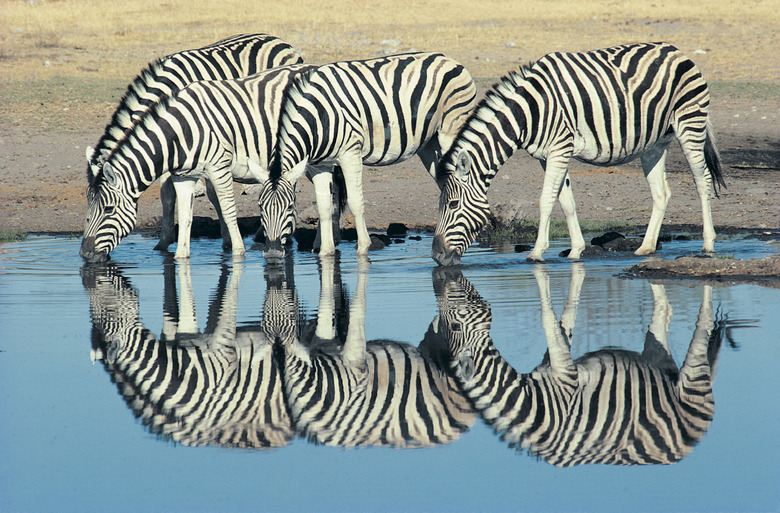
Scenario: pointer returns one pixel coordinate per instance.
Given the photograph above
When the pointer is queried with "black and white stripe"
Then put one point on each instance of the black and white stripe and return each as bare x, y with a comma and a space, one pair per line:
375, 112
603, 107
344, 391
223, 131
235, 57
611, 406
220, 387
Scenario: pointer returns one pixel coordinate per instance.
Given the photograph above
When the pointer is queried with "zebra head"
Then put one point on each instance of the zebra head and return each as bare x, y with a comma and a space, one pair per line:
111, 215
277, 216
463, 210
464, 320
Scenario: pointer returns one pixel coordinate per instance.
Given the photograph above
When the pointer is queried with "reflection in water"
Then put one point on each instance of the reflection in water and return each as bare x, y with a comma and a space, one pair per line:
610, 406
343, 391
258, 386
220, 387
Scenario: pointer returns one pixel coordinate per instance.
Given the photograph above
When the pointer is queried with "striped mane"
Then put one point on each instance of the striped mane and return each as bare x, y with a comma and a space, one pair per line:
293, 92
149, 117
122, 120
483, 113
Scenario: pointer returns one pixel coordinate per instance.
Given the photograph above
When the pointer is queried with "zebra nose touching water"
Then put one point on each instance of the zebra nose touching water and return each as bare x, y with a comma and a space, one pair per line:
604, 107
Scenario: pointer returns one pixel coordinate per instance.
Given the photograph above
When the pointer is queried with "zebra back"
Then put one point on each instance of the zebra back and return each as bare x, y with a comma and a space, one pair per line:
195, 389
610, 407
392, 105
234, 57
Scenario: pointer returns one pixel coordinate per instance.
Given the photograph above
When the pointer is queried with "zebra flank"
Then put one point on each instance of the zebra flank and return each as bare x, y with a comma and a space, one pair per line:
374, 112
603, 107
611, 406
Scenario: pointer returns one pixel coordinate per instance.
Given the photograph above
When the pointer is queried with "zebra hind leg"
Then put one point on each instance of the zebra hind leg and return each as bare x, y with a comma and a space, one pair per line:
654, 167
698, 145
168, 200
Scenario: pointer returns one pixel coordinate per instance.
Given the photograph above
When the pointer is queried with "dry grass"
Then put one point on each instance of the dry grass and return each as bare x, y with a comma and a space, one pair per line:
53, 50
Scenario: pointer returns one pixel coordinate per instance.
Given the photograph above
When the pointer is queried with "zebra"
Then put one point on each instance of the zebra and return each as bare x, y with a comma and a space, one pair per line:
603, 107
220, 387
611, 406
375, 112
234, 57
220, 130
343, 391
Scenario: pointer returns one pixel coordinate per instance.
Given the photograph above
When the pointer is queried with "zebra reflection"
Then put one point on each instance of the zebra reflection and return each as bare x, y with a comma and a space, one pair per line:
344, 391
610, 406
219, 387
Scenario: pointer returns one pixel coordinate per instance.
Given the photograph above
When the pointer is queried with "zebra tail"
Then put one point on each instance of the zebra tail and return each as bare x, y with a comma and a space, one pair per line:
712, 159
341, 188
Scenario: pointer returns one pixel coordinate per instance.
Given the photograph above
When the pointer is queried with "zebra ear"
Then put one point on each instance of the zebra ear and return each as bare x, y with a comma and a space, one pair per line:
90, 152
463, 166
257, 172
112, 179
466, 361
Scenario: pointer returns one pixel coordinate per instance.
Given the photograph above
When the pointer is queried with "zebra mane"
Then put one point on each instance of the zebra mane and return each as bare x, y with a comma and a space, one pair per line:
122, 121
482, 113
292, 93
148, 117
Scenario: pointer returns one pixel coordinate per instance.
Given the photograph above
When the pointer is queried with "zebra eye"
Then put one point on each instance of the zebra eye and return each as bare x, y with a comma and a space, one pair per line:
109, 209
454, 204
456, 327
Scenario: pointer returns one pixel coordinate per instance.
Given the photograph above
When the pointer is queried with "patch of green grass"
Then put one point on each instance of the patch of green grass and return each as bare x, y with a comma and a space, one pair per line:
11, 236
752, 90
525, 230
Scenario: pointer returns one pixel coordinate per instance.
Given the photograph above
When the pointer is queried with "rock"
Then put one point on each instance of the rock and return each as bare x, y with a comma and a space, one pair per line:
379, 242
305, 238
522, 248
349, 234
607, 237
396, 230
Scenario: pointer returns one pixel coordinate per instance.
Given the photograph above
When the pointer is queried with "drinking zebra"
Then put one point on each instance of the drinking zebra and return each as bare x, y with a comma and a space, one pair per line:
219, 387
604, 107
610, 406
234, 57
342, 391
219, 130
375, 112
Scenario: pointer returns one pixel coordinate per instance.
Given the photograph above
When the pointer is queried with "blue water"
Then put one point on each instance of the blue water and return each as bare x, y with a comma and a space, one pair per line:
69, 441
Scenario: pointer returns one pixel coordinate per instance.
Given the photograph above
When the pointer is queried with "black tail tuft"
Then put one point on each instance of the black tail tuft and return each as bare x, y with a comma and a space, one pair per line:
341, 188
712, 159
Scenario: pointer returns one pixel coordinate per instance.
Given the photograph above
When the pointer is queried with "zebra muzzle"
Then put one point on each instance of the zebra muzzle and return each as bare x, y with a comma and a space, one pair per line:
273, 252
88, 253
442, 255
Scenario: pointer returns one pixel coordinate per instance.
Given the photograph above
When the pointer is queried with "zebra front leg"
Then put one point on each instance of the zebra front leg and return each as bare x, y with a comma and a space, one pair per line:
168, 200
352, 167
223, 229
554, 174
185, 195
323, 181
654, 167
222, 182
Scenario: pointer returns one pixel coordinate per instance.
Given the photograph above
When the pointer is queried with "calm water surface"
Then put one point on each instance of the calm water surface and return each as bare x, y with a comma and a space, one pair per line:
150, 385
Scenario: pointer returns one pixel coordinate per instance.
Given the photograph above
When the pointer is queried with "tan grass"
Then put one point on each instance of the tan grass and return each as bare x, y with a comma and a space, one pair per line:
106, 43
